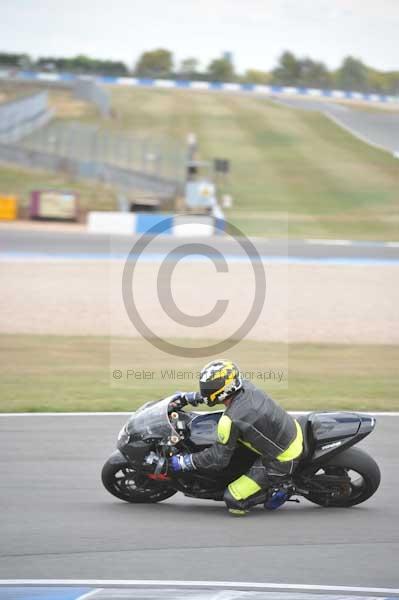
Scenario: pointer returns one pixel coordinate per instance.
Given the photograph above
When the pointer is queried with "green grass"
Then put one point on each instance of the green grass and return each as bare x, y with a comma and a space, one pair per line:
294, 172
60, 373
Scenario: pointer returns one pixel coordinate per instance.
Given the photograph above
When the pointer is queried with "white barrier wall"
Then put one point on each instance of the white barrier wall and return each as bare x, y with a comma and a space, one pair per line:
111, 222
184, 226
154, 223
70, 78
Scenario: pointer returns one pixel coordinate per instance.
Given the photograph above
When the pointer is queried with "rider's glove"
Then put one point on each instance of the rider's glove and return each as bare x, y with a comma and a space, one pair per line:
194, 398
178, 401
181, 399
182, 462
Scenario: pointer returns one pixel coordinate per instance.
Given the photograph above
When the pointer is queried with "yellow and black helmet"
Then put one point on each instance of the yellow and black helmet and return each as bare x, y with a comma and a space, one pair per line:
218, 380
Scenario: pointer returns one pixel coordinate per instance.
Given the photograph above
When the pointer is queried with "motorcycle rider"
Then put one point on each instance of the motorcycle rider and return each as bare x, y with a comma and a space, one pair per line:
253, 419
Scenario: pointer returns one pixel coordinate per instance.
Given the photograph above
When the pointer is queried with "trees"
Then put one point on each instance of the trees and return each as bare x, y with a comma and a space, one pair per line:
189, 68
292, 71
155, 63
313, 74
21, 61
352, 75
256, 76
221, 69
82, 64
391, 80
287, 71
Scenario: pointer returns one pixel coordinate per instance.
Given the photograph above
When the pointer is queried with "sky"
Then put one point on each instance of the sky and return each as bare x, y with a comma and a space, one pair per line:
255, 31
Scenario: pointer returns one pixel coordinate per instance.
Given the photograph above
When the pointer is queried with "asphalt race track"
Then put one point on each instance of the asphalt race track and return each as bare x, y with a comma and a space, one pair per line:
378, 128
57, 522
25, 243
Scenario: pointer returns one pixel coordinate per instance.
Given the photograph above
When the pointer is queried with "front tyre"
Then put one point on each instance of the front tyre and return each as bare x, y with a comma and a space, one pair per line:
346, 480
124, 482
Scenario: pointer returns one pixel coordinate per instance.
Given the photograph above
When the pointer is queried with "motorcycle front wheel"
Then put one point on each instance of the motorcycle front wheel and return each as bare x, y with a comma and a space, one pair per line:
123, 482
346, 480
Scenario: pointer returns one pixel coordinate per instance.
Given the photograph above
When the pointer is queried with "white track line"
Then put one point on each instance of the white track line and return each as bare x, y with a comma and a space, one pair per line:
126, 414
332, 242
90, 594
235, 585
329, 242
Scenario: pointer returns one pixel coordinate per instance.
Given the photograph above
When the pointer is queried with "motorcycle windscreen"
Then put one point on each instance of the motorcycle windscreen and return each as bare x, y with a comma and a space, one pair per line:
152, 421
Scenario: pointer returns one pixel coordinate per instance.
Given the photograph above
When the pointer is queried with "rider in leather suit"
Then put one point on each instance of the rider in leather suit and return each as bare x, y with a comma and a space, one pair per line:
251, 418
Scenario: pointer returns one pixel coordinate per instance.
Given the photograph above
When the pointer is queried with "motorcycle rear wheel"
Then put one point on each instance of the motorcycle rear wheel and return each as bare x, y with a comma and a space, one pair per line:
123, 482
358, 478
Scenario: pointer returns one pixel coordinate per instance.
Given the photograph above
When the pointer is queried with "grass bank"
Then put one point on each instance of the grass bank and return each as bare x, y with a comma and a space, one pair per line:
294, 172
54, 373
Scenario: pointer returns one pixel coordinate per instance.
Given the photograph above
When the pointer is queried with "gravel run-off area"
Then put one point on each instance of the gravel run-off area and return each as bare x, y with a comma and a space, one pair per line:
304, 303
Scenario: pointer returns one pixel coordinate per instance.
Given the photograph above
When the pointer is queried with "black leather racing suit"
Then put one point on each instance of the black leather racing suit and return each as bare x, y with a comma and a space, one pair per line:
255, 420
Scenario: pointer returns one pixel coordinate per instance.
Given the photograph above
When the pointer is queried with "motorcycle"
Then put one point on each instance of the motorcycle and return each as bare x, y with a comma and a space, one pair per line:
330, 472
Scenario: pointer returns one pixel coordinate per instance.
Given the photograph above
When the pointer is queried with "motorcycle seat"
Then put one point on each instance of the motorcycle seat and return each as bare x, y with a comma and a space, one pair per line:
306, 427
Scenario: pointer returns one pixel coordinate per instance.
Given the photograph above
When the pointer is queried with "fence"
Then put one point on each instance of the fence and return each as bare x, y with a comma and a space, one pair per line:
130, 163
84, 88
21, 117
153, 158
113, 175
90, 91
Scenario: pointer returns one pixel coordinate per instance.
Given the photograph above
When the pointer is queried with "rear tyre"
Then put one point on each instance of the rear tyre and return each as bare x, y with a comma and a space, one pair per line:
348, 479
122, 481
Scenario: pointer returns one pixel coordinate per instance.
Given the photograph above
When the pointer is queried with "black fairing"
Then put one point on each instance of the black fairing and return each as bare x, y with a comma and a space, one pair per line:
203, 428
329, 433
117, 458
332, 426
135, 451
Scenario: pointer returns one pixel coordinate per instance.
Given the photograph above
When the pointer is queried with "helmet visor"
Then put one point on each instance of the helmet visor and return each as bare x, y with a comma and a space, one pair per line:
210, 388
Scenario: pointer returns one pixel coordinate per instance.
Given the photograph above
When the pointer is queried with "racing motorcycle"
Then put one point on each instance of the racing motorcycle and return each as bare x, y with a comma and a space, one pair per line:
331, 472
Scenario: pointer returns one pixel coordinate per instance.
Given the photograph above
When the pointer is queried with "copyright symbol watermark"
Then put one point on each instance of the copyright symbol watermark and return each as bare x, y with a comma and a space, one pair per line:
117, 374
216, 251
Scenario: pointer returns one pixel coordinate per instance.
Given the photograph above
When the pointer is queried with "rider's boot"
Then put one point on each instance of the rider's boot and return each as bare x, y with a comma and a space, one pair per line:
240, 508
276, 500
